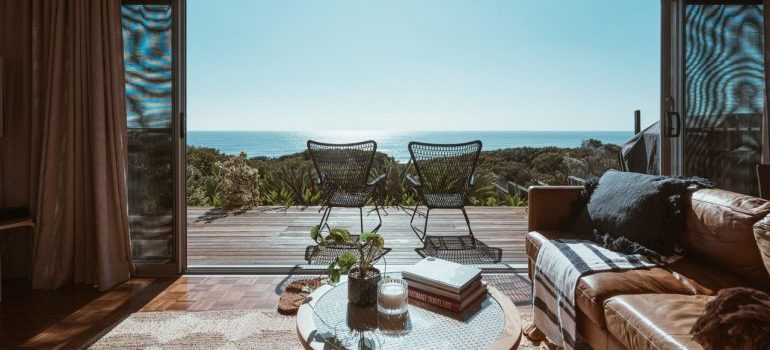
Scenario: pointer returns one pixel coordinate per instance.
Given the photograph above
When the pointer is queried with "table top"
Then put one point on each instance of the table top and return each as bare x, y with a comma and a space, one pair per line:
497, 325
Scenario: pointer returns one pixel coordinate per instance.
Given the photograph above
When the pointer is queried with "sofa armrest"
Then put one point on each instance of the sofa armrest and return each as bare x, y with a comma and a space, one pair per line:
551, 207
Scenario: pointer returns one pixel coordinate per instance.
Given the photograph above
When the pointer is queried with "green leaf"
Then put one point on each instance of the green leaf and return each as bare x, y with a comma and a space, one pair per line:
366, 235
334, 276
374, 239
333, 272
340, 235
315, 233
346, 261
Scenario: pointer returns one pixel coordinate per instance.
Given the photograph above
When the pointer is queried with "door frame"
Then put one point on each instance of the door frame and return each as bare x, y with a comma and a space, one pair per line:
671, 85
180, 139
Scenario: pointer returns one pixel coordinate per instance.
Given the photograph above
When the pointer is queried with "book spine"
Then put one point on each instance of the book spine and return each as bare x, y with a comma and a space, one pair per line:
460, 316
433, 300
433, 290
439, 285
452, 296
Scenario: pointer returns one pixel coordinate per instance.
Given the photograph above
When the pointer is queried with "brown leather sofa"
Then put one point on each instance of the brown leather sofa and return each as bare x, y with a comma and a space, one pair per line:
656, 308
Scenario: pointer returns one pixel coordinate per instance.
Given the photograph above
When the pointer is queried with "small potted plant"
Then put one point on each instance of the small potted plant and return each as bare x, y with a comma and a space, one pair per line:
359, 266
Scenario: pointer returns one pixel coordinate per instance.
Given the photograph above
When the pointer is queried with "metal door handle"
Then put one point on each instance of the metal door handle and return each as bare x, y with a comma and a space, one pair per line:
182, 125
671, 118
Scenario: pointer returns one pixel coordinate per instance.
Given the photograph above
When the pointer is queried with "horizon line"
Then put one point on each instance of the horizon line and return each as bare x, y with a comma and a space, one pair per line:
374, 130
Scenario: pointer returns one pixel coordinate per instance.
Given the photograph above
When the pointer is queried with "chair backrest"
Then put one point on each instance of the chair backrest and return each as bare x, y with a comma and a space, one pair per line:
445, 168
345, 166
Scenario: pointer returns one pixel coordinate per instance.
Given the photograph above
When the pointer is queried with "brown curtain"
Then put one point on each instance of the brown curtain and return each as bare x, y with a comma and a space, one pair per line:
64, 150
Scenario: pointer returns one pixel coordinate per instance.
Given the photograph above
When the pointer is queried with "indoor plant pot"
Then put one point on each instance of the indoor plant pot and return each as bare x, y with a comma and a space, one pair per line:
362, 290
367, 249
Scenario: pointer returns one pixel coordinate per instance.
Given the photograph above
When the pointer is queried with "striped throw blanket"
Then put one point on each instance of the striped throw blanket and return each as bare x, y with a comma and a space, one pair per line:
559, 265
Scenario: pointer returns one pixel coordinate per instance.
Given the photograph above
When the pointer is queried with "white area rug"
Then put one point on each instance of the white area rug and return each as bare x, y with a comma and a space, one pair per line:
256, 329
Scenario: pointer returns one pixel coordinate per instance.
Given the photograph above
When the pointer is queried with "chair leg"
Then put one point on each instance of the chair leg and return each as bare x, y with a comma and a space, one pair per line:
361, 216
420, 234
379, 217
414, 212
323, 217
468, 222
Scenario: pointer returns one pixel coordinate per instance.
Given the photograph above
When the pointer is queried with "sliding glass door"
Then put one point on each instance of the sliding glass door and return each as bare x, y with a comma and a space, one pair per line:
154, 101
714, 83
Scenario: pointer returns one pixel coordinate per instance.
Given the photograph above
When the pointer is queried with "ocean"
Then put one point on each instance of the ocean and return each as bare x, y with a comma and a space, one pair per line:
393, 143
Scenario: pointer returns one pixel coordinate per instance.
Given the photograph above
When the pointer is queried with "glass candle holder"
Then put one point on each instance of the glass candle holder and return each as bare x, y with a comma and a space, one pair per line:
392, 296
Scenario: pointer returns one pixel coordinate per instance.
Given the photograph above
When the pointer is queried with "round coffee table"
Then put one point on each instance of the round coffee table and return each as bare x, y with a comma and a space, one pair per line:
327, 316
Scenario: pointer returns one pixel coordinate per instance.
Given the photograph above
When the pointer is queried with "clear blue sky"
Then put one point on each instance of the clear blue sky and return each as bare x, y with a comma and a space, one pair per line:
422, 64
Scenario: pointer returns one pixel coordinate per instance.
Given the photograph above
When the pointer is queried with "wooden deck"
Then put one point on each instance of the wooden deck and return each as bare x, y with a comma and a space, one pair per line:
280, 235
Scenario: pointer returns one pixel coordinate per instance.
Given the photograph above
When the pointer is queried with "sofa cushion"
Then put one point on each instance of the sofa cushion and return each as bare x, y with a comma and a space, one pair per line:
655, 321
685, 276
720, 229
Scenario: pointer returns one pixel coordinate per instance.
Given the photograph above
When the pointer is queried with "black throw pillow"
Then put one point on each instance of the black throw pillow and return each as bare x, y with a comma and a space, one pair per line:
635, 213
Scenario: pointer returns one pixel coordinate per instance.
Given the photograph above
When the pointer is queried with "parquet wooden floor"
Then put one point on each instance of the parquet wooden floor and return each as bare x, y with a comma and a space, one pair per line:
75, 315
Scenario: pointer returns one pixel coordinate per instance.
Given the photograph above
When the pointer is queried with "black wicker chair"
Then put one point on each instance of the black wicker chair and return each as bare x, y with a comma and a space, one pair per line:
444, 174
343, 171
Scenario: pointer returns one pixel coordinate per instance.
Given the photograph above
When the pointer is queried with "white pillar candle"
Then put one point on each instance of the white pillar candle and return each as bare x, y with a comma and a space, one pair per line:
393, 295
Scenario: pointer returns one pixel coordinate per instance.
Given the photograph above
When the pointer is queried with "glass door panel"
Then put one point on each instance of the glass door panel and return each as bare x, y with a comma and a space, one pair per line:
148, 33
723, 93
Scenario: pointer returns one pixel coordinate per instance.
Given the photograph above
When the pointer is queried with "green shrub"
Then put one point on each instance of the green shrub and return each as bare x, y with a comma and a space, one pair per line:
292, 181
483, 191
204, 159
201, 189
514, 171
513, 200
394, 189
216, 179
239, 184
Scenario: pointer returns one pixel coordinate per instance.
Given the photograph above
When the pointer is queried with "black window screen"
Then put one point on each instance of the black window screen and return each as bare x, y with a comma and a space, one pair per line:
724, 94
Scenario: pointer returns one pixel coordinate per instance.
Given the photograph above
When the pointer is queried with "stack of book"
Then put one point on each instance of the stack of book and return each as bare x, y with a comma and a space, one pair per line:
445, 287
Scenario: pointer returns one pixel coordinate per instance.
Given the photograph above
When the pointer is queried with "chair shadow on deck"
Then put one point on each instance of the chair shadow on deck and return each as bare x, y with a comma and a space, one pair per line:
215, 214
460, 249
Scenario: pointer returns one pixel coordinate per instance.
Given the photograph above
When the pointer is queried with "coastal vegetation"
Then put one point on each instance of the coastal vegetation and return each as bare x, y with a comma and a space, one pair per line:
217, 179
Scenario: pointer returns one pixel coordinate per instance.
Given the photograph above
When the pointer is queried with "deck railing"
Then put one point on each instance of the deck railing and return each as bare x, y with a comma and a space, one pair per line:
575, 181
510, 187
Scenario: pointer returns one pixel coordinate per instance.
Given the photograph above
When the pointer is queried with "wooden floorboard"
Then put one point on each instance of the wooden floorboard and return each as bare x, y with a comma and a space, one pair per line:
71, 316
280, 235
